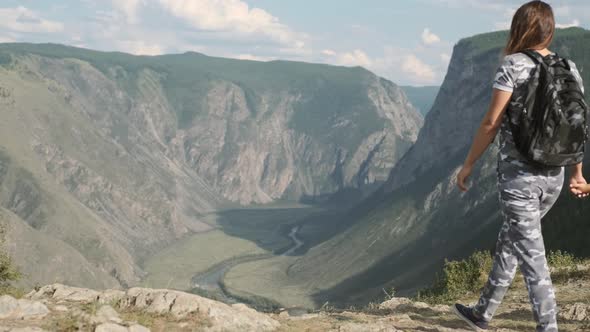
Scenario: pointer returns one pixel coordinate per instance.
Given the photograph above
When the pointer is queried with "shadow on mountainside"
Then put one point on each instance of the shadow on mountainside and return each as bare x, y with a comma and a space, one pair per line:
459, 225
271, 227
438, 235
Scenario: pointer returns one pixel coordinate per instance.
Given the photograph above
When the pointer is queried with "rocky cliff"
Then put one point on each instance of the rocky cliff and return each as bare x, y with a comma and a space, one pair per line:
401, 235
61, 308
105, 158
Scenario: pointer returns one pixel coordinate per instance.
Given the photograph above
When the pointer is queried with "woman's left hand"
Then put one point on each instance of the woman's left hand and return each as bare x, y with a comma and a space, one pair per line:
577, 179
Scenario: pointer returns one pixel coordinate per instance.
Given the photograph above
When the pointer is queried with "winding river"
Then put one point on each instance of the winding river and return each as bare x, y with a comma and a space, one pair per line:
211, 279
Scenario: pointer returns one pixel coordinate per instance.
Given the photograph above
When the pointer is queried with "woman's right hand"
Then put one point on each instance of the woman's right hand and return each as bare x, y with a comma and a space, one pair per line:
462, 177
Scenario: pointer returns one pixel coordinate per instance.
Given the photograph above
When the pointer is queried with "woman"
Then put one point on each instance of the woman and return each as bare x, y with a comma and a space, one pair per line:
527, 192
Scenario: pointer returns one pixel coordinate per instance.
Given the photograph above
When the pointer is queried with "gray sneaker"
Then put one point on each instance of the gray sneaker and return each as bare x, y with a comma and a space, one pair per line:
466, 314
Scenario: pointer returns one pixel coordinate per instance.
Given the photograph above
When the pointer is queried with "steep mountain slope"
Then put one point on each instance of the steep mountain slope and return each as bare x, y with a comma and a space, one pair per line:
422, 97
450, 224
401, 235
256, 131
106, 158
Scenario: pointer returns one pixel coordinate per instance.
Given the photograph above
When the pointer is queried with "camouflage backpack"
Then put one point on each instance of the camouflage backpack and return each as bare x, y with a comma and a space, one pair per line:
552, 129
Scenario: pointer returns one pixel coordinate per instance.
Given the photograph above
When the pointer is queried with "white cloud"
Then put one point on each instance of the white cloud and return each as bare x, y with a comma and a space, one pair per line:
429, 38
139, 47
502, 25
5, 39
397, 64
477, 4
445, 58
22, 19
252, 57
421, 71
354, 58
574, 23
232, 16
129, 8
506, 22
228, 28
562, 10
328, 52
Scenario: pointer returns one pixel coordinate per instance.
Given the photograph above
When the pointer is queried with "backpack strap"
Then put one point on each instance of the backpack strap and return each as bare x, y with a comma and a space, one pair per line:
539, 59
536, 57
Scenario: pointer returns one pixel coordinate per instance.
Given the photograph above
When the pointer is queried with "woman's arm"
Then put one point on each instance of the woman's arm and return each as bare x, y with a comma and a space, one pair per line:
485, 134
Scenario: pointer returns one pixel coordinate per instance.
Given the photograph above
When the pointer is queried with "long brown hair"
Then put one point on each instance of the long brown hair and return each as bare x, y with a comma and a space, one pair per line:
533, 25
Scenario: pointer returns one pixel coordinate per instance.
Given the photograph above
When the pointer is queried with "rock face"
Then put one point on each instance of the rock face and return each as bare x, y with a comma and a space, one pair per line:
107, 158
401, 235
220, 316
161, 310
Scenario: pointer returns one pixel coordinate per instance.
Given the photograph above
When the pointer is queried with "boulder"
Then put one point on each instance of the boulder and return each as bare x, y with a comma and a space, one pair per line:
138, 328
111, 327
8, 305
110, 296
180, 304
576, 312
59, 292
106, 314
11, 308
60, 308
393, 303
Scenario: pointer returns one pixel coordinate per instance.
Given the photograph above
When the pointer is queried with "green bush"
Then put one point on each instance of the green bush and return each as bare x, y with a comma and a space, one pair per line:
8, 272
458, 278
561, 259
565, 267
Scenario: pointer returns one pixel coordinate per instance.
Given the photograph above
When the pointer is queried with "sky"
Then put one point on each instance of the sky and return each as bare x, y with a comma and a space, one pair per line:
409, 42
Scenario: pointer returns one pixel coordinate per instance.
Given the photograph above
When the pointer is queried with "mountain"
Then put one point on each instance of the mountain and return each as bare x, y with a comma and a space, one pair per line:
108, 158
422, 97
400, 236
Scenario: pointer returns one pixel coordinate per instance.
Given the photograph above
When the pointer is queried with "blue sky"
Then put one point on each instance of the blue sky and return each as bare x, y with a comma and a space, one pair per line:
408, 42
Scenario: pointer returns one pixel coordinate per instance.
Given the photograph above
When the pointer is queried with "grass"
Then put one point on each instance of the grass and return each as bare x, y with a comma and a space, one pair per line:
268, 279
458, 278
464, 278
245, 232
175, 266
9, 272
70, 321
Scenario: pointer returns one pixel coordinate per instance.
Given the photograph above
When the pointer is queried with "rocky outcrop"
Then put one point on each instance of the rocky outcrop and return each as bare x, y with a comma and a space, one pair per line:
160, 310
11, 308
157, 302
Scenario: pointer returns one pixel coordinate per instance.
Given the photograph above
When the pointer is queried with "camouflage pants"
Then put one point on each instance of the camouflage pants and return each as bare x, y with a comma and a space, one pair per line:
526, 195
